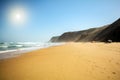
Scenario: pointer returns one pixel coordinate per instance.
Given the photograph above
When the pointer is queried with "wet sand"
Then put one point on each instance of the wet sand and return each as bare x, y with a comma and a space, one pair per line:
71, 61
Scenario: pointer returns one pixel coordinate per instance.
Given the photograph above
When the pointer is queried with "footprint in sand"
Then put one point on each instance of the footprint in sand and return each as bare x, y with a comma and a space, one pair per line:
113, 72
118, 63
104, 68
89, 61
102, 72
110, 61
108, 77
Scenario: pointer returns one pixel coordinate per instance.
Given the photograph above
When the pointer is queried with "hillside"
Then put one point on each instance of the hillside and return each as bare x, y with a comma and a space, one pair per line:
104, 33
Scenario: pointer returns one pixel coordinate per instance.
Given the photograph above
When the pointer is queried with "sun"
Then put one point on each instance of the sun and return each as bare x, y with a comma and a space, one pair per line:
17, 16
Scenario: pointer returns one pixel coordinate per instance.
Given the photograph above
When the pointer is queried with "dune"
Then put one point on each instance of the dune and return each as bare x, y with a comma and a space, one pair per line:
71, 61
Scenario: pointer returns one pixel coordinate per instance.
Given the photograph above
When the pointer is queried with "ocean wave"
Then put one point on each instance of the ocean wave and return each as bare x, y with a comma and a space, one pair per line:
4, 46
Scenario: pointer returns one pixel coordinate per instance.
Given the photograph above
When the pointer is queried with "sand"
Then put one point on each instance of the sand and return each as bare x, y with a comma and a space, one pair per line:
71, 61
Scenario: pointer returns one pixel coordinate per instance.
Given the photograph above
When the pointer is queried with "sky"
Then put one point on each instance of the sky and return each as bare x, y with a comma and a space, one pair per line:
43, 19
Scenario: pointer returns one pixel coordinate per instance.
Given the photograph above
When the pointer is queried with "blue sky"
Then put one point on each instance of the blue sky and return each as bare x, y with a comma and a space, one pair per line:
47, 18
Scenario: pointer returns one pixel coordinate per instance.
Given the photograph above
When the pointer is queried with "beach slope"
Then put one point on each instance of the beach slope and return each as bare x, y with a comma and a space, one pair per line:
71, 61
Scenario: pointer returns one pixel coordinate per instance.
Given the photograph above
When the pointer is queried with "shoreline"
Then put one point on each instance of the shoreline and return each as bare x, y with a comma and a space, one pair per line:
17, 52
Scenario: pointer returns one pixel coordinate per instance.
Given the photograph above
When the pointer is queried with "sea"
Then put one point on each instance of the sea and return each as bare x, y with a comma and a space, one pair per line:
12, 49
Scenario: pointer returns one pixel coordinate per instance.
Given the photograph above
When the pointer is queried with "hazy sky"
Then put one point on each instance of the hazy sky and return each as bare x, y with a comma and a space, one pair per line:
46, 18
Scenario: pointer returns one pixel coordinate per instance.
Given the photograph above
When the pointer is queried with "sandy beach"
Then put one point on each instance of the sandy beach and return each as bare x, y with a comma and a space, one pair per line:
70, 61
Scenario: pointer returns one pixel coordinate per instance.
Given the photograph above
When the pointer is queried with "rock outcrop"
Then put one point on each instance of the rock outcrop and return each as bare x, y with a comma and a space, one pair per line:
104, 33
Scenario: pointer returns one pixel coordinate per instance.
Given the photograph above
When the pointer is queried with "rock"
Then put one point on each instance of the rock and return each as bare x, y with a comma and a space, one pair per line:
109, 33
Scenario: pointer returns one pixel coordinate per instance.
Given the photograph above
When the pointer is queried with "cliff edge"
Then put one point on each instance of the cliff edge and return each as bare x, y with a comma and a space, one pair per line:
102, 34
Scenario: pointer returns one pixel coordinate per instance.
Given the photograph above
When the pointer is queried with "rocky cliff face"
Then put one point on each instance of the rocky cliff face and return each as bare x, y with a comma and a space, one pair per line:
104, 33
112, 32
54, 39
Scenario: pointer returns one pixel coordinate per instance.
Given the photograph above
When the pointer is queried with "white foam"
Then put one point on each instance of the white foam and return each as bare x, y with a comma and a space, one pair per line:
17, 52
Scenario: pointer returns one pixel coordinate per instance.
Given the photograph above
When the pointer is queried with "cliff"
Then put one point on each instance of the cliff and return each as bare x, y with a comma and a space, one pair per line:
104, 33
